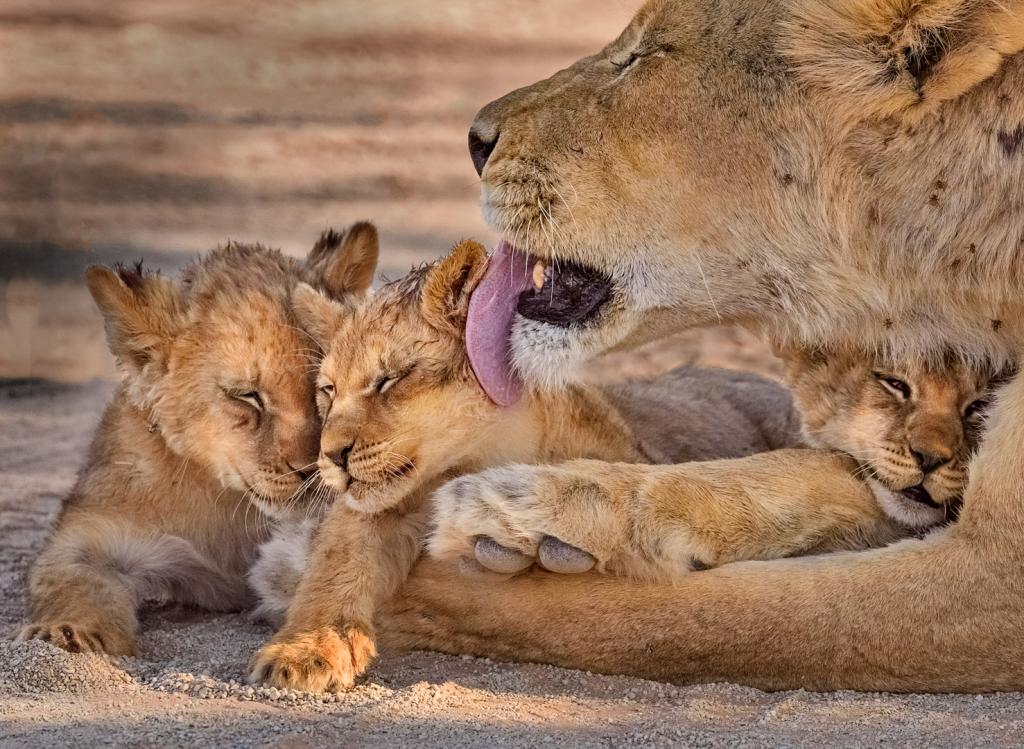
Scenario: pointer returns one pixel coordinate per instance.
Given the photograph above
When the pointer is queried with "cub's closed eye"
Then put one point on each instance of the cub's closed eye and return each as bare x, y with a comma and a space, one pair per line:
894, 384
624, 63
387, 381
250, 398
327, 390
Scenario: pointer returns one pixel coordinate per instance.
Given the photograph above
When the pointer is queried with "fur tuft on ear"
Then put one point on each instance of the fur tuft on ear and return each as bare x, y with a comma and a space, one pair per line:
449, 285
884, 58
142, 312
346, 262
317, 314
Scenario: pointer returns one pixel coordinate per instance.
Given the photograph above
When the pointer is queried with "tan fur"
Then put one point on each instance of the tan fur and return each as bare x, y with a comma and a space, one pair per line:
402, 412
212, 430
837, 172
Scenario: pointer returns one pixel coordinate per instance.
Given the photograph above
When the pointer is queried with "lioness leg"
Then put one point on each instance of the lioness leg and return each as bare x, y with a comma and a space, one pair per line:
938, 614
658, 522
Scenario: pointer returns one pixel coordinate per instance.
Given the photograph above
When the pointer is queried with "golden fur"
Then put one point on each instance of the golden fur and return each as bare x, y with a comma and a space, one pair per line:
212, 430
402, 413
835, 172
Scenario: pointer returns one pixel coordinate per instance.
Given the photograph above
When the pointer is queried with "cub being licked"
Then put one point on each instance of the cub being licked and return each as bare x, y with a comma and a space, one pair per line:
899, 433
212, 431
403, 412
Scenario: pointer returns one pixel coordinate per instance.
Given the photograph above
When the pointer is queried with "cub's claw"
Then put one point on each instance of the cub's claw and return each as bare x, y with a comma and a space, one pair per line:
77, 639
323, 660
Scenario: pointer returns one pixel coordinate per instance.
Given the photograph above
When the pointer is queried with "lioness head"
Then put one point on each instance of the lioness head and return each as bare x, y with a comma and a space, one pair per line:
725, 161
217, 362
912, 427
396, 394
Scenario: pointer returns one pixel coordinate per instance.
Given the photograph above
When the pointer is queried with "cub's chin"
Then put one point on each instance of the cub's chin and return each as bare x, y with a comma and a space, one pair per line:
371, 498
912, 507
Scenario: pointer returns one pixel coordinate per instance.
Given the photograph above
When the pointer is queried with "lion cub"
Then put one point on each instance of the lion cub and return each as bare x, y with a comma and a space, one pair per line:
403, 413
212, 430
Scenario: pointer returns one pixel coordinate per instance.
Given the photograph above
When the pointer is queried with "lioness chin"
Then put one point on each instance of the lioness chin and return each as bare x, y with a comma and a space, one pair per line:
212, 431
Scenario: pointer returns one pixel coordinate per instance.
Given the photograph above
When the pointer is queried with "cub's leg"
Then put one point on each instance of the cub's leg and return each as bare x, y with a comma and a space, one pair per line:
659, 522
86, 586
357, 561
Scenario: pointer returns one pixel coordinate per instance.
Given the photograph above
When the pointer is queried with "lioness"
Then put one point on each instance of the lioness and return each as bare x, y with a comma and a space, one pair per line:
212, 430
402, 412
834, 172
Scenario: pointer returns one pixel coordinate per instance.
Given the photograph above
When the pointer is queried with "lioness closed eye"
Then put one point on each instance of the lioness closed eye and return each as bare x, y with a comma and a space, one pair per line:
212, 430
403, 412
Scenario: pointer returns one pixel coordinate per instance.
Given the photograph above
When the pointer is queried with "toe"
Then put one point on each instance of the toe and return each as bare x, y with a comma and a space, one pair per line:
557, 556
498, 558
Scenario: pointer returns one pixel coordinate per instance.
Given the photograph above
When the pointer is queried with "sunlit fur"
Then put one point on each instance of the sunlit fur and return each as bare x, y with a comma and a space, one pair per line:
212, 431
836, 172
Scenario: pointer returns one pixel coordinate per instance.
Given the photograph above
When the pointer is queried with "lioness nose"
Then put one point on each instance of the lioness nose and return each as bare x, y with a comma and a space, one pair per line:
303, 471
480, 148
929, 461
340, 457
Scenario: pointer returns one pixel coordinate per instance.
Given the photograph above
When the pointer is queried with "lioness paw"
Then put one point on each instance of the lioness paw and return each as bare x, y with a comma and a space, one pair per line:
323, 660
76, 638
486, 505
507, 519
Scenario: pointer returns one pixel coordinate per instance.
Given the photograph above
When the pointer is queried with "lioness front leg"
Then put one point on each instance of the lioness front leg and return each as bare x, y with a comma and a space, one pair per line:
660, 521
327, 640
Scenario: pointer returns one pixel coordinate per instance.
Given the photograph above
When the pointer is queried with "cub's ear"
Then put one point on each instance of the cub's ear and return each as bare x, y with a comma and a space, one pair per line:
882, 58
345, 263
142, 312
317, 314
449, 284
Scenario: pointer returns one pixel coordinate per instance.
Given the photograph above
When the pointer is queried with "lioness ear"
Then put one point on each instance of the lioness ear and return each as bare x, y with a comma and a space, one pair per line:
141, 312
450, 283
889, 57
346, 262
317, 314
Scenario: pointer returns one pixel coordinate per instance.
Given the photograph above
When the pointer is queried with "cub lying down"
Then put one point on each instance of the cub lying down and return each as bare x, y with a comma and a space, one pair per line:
402, 413
211, 432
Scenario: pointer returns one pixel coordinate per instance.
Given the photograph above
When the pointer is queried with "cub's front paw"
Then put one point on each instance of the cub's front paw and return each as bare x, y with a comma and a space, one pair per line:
327, 659
77, 638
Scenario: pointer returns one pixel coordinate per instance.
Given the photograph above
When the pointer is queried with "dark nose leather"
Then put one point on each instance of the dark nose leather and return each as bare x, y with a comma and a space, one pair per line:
929, 461
340, 457
480, 150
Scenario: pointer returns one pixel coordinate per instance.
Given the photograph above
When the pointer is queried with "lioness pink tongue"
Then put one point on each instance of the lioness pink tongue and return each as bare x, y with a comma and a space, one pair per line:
492, 309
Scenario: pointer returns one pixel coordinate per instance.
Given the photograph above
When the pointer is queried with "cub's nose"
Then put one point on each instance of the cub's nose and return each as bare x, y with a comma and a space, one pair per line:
480, 148
302, 470
340, 457
929, 461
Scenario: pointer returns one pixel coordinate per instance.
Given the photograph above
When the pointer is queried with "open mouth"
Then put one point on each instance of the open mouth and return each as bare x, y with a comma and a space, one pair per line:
920, 495
562, 295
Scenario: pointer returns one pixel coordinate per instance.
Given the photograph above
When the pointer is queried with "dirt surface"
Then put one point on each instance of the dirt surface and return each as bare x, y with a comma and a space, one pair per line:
186, 688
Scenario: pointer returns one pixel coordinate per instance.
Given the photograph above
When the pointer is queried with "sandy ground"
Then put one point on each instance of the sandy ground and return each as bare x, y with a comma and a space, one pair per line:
185, 690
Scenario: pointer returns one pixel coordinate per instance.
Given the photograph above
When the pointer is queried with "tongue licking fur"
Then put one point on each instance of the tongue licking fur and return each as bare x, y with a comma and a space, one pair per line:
492, 309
